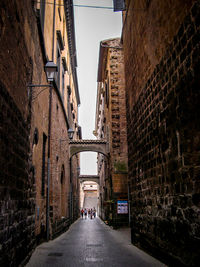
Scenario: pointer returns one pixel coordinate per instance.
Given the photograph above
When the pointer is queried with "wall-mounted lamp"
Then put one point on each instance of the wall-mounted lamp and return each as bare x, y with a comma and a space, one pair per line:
70, 136
50, 69
70, 133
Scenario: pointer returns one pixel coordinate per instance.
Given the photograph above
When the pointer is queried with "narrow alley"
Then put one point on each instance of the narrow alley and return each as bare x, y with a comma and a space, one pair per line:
91, 243
99, 115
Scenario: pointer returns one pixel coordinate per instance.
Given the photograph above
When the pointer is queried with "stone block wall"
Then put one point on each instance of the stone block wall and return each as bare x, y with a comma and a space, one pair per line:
120, 183
112, 125
163, 129
17, 205
17, 177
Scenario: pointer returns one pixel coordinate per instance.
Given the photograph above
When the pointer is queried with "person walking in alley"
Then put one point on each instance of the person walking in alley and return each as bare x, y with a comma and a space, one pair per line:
85, 213
94, 213
91, 214
82, 212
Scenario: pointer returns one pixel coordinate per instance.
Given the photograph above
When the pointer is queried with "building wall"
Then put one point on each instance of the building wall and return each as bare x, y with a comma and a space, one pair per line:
161, 48
76, 186
26, 46
60, 169
111, 125
17, 191
64, 115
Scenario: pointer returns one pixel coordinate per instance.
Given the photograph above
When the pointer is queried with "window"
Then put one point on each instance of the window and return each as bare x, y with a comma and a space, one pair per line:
63, 82
107, 92
59, 9
58, 64
60, 40
68, 102
64, 29
43, 163
42, 13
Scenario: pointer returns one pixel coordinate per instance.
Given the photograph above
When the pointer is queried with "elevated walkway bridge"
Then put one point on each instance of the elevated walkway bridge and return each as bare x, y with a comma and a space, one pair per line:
77, 146
93, 178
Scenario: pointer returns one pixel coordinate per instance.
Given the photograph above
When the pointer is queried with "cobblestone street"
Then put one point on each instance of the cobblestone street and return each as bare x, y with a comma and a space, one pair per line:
91, 243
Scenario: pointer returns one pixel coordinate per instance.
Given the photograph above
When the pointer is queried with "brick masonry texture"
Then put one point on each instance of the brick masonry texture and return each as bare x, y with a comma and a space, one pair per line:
111, 123
25, 131
16, 184
17, 177
164, 138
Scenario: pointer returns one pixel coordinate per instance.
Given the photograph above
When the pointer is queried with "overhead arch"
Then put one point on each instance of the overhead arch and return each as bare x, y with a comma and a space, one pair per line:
77, 146
92, 178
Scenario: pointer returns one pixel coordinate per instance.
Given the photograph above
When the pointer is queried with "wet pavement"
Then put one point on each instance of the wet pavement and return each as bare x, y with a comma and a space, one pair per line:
91, 243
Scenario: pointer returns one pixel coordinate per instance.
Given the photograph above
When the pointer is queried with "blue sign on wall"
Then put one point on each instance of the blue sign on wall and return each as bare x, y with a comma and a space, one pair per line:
122, 206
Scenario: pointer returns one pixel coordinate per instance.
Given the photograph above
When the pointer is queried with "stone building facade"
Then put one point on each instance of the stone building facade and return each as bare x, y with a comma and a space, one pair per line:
111, 125
161, 41
34, 124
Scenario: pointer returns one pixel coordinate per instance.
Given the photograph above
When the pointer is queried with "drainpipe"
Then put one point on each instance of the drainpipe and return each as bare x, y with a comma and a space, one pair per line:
49, 135
71, 191
48, 163
53, 45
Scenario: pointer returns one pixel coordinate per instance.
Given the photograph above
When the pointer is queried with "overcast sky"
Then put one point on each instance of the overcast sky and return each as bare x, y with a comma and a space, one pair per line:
92, 25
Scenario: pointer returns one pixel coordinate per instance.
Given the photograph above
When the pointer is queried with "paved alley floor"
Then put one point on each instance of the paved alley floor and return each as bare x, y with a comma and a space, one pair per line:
91, 243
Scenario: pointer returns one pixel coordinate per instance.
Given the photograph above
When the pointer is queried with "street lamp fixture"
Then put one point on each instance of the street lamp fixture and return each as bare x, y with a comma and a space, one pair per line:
50, 69
70, 133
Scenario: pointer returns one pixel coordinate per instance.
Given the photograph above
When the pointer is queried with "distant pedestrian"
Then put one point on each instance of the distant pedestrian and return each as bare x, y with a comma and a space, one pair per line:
91, 214
94, 213
85, 213
82, 212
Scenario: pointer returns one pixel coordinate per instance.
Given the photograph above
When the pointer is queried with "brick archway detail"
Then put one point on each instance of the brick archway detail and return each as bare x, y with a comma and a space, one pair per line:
85, 178
77, 146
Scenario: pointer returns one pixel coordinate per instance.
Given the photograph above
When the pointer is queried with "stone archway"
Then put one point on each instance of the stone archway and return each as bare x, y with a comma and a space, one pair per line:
77, 146
93, 178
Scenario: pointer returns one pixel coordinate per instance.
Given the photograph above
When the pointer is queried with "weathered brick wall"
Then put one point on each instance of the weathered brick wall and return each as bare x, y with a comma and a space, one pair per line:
59, 188
16, 184
163, 127
112, 125
17, 190
118, 133
116, 113
120, 183
76, 186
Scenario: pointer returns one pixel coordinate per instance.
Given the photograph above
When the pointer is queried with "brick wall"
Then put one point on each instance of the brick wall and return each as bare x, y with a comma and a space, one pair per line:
111, 125
20, 54
17, 204
24, 121
162, 72
17, 191
59, 184
116, 120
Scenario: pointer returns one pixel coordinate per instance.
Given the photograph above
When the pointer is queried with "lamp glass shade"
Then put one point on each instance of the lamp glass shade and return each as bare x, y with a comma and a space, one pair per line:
70, 133
50, 69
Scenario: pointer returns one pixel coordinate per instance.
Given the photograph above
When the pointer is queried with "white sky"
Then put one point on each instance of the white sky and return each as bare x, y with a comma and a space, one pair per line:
92, 25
